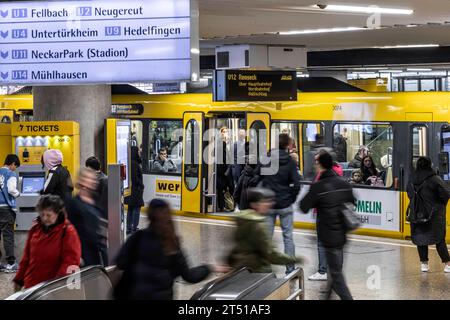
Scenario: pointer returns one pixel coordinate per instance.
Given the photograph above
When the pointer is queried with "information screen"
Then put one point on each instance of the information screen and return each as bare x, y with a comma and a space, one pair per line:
32, 184
101, 41
246, 85
123, 133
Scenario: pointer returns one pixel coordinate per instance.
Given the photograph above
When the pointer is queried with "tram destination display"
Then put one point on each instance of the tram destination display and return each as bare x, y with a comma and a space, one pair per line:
248, 85
99, 41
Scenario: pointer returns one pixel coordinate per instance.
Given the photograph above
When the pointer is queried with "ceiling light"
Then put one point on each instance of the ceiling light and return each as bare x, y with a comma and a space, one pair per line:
390, 71
370, 9
409, 46
419, 69
325, 30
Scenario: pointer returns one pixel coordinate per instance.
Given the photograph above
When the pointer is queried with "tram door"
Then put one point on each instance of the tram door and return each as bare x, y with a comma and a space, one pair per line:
225, 136
191, 185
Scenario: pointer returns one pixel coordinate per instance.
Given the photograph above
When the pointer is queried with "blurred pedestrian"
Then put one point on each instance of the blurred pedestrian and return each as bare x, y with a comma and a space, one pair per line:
8, 209
428, 196
87, 219
253, 245
309, 167
52, 249
101, 197
135, 200
329, 195
250, 177
152, 258
285, 182
58, 180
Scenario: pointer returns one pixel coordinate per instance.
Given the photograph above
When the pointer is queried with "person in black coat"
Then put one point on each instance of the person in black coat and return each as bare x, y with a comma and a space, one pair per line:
136, 200
435, 194
249, 178
58, 180
328, 196
87, 219
152, 258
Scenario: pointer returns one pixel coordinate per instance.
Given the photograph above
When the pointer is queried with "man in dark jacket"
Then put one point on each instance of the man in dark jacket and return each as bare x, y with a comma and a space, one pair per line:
285, 182
328, 195
135, 201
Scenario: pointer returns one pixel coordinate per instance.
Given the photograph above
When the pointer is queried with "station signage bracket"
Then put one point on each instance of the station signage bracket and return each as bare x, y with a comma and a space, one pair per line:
254, 85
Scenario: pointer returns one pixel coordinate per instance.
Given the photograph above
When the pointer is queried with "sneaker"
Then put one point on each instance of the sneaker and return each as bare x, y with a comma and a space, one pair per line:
424, 267
447, 268
318, 277
11, 268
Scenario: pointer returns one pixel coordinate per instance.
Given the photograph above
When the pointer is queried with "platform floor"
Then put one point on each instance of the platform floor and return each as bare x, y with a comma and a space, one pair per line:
395, 261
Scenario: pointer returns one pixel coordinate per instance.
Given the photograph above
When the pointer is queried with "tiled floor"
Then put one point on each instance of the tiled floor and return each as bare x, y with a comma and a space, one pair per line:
375, 268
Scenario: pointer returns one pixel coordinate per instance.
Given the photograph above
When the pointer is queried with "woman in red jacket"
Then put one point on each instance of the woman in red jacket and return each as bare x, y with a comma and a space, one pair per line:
53, 248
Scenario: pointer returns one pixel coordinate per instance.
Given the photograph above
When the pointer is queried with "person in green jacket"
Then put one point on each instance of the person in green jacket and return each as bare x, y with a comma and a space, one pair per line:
253, 246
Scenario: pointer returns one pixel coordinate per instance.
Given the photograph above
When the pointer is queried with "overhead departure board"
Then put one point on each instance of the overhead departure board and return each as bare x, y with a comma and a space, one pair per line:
99, 41
247, 85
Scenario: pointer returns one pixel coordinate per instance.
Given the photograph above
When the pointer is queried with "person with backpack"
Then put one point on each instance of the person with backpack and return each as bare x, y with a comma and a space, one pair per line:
428, 195
329, 196
8, 209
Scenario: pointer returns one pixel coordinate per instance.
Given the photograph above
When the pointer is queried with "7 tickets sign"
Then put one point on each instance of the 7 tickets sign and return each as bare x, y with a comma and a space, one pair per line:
94, 41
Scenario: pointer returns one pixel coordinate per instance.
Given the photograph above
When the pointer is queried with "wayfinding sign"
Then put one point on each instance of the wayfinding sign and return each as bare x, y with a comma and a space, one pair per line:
99, 41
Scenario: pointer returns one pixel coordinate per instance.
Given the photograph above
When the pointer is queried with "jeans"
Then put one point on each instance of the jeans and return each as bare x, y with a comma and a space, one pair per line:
287, 227
134, 213
336, 280
7, 221
322, 258
441, 248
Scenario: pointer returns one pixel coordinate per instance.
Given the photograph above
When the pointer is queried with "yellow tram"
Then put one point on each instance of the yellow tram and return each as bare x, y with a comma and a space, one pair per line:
397, 128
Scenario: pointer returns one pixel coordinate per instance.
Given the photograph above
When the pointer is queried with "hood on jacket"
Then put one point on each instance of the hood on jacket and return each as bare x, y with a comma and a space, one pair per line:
52, 158
420, 176
328, 174
280, 155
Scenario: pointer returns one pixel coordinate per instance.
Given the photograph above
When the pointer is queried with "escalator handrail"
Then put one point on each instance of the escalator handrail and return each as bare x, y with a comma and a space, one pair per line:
206, 290
28, 293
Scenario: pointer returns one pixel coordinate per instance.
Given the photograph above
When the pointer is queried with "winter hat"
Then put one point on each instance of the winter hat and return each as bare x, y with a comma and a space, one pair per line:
52, 158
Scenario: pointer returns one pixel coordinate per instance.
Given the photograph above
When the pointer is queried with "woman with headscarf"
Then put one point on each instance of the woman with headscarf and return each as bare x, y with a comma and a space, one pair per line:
136, 200
58, 180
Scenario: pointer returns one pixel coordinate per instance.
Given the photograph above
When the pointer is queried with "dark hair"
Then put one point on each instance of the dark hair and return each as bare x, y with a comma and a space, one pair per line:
423, 163
325, 159
283, 141
255, 195
159, 215
319, 138
12, 158
163, 149
372, 166
93, 163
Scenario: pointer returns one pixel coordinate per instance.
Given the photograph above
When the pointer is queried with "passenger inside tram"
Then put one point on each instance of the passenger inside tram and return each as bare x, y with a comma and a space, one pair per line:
370, 146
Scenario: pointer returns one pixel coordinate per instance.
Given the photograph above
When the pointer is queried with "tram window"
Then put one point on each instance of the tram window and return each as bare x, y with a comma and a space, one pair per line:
292, 130
165, 149
308, 146
191, 165
258, 134
353, 142
419, 143
136, 133
445, 146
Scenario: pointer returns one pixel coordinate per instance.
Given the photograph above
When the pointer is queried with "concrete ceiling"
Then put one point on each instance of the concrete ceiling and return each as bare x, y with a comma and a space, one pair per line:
259, 21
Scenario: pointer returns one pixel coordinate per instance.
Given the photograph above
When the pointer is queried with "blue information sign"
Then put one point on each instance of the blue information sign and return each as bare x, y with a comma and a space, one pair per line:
100, 41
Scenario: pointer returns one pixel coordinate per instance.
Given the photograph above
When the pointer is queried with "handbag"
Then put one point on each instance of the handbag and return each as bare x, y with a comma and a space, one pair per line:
351, 219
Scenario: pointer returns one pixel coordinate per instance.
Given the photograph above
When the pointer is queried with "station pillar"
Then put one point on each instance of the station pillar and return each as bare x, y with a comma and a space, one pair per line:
87, 105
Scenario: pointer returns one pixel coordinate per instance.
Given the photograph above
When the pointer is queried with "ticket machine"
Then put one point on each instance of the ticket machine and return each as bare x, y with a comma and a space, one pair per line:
29, 142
